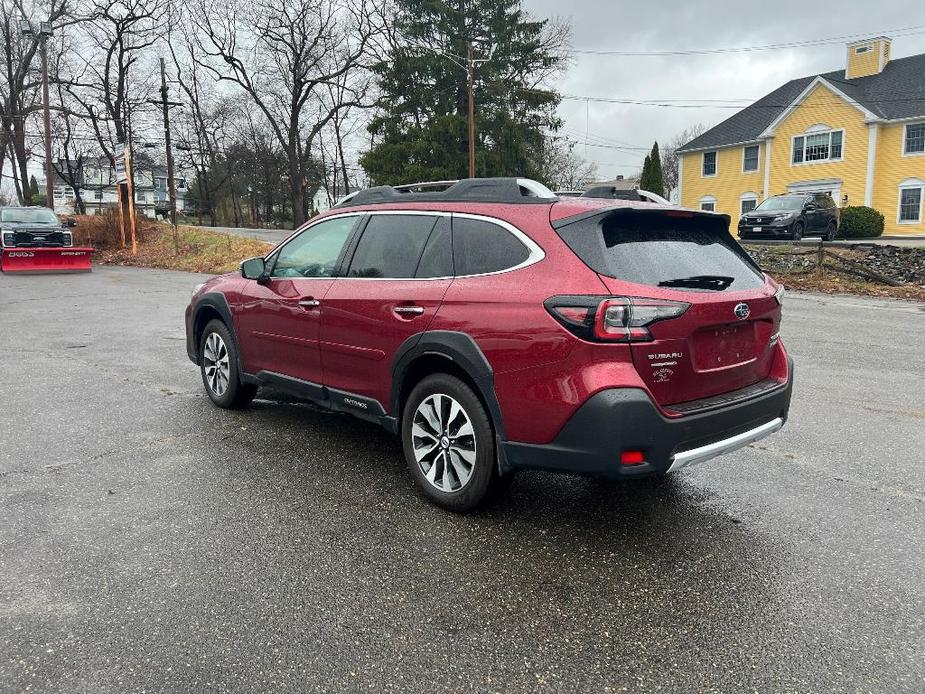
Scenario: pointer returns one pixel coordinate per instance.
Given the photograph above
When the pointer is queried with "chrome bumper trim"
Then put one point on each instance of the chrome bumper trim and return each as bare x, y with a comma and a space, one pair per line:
711, 450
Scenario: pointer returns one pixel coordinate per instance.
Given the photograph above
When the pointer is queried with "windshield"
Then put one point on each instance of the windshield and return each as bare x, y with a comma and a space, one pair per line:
28, 215
781, 204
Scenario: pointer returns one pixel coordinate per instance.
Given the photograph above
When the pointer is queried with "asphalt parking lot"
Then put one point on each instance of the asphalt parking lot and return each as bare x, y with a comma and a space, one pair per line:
151, 542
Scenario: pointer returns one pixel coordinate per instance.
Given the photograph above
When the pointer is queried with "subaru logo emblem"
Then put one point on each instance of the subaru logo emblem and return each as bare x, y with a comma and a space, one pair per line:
742, 311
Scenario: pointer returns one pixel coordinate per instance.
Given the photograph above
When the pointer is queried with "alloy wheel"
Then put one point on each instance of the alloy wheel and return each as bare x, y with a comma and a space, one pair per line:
443, 441
215, 364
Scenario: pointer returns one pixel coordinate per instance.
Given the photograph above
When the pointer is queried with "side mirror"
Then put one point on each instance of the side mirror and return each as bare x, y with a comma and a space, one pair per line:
71, 222
254, 269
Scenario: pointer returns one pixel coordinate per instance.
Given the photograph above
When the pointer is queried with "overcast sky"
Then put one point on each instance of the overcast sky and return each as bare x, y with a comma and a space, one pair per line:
668, 25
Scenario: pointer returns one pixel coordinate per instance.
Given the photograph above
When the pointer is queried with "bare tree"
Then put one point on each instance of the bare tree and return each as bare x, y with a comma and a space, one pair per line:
74, 145
343, 126
113, 79
19, 80
563, 168
202, 125
283, 56
669, 155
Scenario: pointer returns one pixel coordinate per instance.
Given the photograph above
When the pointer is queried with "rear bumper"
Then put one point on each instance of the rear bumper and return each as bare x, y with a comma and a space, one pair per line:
626, 419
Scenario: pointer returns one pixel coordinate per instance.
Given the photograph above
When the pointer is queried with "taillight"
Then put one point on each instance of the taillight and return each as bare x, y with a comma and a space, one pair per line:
612, 319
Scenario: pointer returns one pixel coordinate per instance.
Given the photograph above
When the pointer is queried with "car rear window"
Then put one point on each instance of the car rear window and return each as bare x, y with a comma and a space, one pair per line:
658, 249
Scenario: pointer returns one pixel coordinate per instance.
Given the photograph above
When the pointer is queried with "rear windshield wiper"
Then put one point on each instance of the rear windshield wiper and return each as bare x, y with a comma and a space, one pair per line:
717, 282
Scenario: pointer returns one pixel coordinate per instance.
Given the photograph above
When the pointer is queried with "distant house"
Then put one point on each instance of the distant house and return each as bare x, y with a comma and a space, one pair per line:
99, 191
619, 183
857, 133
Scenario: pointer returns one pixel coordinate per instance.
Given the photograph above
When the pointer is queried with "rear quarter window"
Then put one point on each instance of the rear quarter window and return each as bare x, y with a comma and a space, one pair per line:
481, 246
656, 249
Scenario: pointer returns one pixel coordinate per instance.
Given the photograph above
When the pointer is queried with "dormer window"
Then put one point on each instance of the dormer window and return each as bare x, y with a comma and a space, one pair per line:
863, 49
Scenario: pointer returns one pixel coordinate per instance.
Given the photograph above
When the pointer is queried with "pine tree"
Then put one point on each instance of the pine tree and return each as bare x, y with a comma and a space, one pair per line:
33, 188
421, 126
652, 179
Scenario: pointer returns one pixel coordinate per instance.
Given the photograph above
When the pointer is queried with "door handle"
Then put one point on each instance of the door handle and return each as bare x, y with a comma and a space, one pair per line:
310, 303
408, 310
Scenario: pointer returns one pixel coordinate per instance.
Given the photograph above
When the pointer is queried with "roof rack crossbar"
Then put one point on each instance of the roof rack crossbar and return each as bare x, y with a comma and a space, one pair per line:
501, 190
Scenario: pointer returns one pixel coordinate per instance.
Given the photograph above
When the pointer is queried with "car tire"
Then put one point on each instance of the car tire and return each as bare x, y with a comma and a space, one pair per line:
797, 232
218, 365
449, 444
830, 231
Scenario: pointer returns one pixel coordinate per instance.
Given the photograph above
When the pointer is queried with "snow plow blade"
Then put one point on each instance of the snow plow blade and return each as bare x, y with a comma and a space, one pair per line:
62, 259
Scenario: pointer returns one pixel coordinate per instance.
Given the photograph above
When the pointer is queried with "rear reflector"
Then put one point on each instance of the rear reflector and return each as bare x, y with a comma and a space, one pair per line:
632, 458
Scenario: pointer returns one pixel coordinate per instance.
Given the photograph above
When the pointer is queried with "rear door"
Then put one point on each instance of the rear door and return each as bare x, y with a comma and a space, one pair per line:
722, 342
394, 284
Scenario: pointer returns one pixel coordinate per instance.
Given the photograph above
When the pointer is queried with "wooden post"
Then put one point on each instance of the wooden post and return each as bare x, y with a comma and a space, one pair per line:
130, 193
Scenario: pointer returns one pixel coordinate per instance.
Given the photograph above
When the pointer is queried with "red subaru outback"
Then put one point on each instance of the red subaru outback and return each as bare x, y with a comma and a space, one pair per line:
495, 327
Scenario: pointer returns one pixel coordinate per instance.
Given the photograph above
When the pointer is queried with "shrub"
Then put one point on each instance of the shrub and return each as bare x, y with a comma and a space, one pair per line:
859, 222
102, 230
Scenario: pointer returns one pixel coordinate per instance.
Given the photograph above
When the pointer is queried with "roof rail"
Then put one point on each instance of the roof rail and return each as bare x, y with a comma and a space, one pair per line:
505, 190
625, 194
427, 185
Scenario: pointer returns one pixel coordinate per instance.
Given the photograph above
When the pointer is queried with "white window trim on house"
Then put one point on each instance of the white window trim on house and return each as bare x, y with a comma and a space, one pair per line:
707, 200
703, 161
817, 130
747, 197
757, 159
910, 184
905, 135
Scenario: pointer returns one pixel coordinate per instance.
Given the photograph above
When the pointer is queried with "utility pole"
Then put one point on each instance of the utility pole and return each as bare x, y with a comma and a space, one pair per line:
43, 34
470, 79
171, 180
171, 183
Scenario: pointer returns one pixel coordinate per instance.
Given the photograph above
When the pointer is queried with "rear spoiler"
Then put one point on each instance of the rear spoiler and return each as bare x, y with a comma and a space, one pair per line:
635, 209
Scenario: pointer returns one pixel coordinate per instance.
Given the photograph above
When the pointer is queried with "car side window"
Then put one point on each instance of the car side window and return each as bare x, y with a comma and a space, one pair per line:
437, 260
480, 246
391, 246
314, 252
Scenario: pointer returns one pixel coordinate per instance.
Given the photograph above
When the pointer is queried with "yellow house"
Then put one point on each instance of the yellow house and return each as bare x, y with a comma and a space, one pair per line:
856, 133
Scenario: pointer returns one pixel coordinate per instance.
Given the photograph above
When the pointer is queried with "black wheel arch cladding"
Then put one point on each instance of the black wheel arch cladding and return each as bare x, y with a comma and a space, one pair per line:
207, 303
460, 349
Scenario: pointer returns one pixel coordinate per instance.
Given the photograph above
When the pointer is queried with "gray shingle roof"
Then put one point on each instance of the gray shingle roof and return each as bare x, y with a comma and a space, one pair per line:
897, 92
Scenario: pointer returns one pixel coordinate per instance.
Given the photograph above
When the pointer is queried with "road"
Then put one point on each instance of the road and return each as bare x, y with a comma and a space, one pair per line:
273, 236
151, 542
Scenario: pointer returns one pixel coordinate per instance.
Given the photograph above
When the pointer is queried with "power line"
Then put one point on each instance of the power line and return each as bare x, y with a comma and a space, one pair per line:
902, 31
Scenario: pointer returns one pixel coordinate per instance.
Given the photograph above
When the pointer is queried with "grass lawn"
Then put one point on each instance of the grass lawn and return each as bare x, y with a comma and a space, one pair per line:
193, 250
